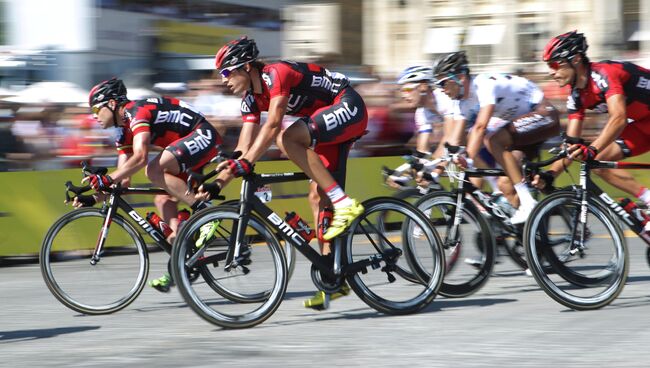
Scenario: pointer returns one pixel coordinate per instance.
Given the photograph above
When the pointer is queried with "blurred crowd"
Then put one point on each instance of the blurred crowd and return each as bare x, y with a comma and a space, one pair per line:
47, 135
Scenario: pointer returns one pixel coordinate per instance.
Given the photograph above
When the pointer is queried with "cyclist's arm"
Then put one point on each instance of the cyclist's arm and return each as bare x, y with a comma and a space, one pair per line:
247, 136
457, 134
269, 130
138, 159
615, 124
475, 140
448, 129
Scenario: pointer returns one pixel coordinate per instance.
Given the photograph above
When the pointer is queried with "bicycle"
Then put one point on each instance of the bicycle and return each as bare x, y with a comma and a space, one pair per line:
101, 274
582, 264
254, 269
404, 173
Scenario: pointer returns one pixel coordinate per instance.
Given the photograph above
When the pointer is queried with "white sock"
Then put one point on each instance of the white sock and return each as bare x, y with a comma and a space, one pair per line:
644, 196
338, 196
493, 182
526, 200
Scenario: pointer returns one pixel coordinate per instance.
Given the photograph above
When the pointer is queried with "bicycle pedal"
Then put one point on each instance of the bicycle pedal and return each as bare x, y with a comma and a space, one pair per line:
245, 269
391, 278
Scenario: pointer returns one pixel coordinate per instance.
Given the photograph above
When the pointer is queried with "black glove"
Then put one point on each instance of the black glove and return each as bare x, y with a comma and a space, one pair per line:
212, 188
86, 200
573, 140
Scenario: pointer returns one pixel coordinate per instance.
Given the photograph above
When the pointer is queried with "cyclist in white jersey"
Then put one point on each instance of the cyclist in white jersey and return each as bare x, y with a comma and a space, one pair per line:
432, 111
505, 113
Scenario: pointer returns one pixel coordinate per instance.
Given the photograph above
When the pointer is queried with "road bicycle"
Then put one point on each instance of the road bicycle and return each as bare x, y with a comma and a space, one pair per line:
583, 264
104, 273
370, 257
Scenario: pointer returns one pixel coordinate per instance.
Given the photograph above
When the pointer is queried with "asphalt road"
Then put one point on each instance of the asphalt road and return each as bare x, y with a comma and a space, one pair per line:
510, 322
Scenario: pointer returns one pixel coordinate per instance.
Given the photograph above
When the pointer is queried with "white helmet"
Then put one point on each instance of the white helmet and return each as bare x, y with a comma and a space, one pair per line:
416, 74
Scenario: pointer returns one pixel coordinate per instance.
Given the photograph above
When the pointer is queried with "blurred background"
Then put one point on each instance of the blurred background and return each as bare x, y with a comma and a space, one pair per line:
53, 51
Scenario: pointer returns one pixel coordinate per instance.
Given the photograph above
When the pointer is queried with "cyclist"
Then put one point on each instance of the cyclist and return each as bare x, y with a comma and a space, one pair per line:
431, 107
506, 113
621, 89
188, 139
331, 115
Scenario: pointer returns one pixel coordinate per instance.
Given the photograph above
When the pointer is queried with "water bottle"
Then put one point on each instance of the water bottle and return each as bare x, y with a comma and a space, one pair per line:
159, 224
324, 221
182, 216
299, 225
639, 217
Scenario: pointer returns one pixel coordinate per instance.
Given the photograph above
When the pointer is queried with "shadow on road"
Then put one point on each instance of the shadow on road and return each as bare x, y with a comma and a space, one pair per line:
44, 333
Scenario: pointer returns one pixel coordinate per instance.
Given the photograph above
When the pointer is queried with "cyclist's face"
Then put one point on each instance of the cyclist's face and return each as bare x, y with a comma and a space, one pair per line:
238, 80
452, 88
104, 115
561, 71
413, 92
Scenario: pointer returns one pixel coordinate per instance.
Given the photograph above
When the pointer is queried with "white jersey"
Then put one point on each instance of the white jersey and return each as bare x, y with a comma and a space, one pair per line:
511, 96
425, 118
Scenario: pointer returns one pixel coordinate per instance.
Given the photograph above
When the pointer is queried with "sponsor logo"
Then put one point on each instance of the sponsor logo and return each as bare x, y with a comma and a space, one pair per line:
620, 211
146, 226
643, 83
339, 117
174, 116
286, 228
267, 80
295, 102
200, 142
246, 103
600, 81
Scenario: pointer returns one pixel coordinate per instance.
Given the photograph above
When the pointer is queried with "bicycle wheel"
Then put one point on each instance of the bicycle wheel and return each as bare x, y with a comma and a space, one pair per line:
411, 195
103, 287
289, 250
376, 284
581, 280
230, 297
470, 253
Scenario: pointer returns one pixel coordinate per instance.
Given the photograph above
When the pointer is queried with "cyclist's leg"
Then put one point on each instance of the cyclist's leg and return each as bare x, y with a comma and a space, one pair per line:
347, 118
190, 152
635, 140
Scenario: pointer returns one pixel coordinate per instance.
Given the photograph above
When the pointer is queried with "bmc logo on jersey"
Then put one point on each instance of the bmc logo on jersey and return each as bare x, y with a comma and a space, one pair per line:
643, 83
174, 116
339, 117
246, 103
267, 80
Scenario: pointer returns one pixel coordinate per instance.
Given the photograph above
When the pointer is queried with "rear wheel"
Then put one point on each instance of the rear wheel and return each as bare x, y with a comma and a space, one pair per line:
381, 240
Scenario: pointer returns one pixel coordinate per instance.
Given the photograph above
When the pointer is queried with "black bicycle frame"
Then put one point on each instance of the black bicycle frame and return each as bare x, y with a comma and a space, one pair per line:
249, 203
110, 207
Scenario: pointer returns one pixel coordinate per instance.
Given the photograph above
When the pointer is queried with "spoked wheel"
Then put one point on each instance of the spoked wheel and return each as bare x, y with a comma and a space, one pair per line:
587, 278
383, 238
231, 295
470, 252
93, 286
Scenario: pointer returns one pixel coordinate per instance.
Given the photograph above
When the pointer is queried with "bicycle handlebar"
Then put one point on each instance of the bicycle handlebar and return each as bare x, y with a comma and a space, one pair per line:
69, 187
194, 179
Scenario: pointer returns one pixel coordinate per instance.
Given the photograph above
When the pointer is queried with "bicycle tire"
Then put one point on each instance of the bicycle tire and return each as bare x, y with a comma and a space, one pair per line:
55, 249
203, 300
429, 267
462, 278
555, 271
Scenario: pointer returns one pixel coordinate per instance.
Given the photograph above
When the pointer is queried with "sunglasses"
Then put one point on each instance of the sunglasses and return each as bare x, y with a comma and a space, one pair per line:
440, 83
226, 72
96, 108
409, 87
555, 65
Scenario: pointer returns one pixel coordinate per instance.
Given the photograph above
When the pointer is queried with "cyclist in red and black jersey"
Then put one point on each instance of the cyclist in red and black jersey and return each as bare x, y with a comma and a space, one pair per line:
188, 139
621, 89
331, 115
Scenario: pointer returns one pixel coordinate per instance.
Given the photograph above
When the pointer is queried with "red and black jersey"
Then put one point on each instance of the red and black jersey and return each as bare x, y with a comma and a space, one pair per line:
309, 87
166, 119
608, 78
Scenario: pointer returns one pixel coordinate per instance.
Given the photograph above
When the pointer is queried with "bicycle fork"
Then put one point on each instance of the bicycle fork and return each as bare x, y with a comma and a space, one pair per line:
103, 233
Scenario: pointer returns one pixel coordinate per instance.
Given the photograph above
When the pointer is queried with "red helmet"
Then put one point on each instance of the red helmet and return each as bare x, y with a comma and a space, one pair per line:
109, 89
236, 53
565, 46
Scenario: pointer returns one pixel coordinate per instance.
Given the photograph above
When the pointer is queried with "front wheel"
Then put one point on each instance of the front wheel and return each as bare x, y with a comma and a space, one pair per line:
233, 295
582, 278
381, 242
103, 285
469, 247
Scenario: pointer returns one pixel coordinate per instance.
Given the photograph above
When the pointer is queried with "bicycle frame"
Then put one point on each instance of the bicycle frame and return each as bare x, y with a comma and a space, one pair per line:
110, 207
588, 187
250, 203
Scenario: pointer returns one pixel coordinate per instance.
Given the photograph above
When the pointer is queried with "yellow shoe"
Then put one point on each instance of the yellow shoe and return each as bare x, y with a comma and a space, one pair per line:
321, 299
207, 232
343, 217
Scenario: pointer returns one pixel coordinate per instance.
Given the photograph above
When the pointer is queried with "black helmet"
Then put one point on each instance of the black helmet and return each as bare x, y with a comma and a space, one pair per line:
236, 53
109, 89
565, 46
451, 64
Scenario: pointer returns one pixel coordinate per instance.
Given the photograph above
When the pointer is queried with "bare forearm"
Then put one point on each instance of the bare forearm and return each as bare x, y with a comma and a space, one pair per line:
474, 141
267, 135
129, 167
611, 131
